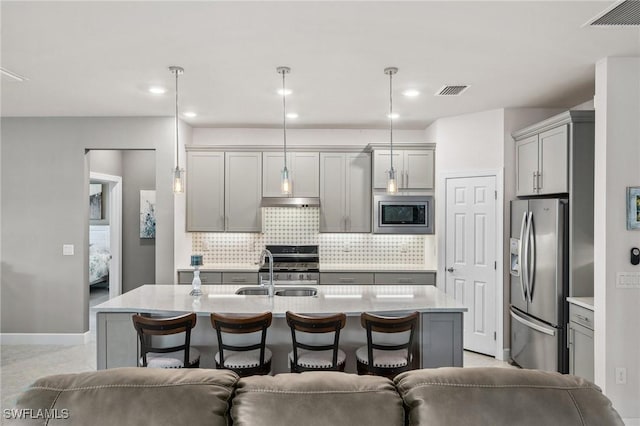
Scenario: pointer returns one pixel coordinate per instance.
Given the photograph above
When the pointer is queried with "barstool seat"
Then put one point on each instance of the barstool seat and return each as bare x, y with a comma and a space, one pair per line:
317, 359
383, 359
171, 359
243, 359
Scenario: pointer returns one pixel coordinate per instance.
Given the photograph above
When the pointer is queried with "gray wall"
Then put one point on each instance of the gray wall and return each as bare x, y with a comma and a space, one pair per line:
45, 176
106, 161
138, 254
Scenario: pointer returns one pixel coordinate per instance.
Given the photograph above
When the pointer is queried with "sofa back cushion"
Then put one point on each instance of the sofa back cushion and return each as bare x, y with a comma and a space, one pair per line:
128, 396
316, 399
500, 396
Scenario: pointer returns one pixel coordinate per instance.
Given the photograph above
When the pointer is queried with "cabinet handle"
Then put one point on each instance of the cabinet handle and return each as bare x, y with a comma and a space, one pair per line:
406, 180
538, 176
239, 279
405, 280
582, 317
346, 280
534, 181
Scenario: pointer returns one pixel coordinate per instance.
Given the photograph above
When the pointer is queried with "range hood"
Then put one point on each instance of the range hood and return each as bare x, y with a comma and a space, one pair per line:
290, 202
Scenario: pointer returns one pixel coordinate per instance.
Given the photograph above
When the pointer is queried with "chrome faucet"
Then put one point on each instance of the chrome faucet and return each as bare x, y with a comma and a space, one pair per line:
270, 256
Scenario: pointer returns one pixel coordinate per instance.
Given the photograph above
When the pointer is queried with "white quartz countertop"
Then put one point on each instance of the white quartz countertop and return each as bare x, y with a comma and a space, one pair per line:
350, 299
334, 267
585, 302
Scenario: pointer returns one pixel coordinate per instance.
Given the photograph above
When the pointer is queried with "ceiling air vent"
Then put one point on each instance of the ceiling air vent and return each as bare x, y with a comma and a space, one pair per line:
451, 90
622, 13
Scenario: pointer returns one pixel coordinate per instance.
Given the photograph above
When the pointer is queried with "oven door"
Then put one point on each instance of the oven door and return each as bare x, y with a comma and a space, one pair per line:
403, 215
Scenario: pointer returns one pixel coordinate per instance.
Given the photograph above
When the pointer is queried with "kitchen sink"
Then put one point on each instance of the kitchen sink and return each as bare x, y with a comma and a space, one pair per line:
279, 291
253, 291
297, 291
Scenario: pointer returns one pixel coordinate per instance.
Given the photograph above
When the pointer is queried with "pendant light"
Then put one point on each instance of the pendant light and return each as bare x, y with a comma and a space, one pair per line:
285, 183
392, 186
178, 173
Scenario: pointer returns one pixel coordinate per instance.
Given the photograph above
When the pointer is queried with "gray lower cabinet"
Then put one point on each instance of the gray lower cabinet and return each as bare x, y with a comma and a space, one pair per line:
441, 339
379, 278
249, 278
347, 278
117, 340
410, 278
206, 277
581, 350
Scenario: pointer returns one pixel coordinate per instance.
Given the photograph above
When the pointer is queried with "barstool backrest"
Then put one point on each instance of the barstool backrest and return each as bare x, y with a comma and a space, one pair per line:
238, 324
315, 325
147, 327
378, 324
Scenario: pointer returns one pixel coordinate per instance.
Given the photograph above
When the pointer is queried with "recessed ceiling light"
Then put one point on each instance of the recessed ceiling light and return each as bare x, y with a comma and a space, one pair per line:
190, 114
287, 92
393, 116
292, 115
411, 93
157, 90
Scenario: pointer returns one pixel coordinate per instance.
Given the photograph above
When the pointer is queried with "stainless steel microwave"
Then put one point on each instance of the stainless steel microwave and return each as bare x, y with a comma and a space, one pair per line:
403, 214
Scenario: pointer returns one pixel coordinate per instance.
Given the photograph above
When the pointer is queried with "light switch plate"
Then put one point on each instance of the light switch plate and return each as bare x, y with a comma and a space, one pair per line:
67, 249
628, 280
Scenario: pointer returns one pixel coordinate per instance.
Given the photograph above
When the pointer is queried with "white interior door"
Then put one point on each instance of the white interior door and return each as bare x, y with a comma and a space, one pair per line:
470, 240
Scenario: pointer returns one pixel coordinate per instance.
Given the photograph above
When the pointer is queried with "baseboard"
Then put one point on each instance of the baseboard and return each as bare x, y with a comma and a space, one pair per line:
45, 338
506, 355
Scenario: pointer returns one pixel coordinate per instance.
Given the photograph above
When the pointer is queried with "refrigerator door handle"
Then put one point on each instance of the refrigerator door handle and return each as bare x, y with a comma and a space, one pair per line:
531, 266
523, 258
541, 329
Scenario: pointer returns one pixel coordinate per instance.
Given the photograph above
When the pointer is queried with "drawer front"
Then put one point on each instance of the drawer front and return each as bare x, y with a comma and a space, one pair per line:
580, 315
186, 277
240, 277
409, 278
355, 278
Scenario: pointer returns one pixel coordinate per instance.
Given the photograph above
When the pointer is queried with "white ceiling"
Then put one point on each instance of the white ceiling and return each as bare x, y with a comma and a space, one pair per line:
99, 58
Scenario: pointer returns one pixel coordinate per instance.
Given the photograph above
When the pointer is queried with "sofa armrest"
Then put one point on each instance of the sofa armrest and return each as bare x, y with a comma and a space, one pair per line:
501, 396
127, 396
316, 399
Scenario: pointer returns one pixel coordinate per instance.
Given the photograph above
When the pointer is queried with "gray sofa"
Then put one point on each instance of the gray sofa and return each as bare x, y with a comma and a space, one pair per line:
443, 396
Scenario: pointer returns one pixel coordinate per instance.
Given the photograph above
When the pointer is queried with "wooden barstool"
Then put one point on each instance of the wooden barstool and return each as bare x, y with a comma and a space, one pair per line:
246, 358
179, 356
311, 356
383, 355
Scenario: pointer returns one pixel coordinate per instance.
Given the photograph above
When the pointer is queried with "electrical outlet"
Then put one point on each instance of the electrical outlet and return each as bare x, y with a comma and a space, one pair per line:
346, 248
621, 376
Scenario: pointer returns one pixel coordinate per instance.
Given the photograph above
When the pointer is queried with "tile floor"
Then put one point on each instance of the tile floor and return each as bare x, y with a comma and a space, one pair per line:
20, 365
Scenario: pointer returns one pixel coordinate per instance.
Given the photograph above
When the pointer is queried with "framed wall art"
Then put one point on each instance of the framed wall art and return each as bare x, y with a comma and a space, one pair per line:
633, 207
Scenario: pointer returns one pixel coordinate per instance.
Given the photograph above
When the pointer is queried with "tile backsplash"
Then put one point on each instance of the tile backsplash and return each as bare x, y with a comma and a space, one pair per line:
300, 226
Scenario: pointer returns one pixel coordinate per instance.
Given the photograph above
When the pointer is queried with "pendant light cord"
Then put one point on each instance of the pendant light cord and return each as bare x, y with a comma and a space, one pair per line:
284, 118
177, 140
391, 116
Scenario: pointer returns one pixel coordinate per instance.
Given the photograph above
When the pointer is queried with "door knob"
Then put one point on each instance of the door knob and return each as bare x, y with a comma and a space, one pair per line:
450, 269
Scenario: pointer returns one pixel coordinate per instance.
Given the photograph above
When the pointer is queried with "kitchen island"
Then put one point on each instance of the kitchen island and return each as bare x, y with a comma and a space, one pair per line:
438, 340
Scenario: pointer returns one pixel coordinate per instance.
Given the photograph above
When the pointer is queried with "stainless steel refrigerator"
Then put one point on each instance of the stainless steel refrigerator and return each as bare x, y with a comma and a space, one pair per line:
539, 283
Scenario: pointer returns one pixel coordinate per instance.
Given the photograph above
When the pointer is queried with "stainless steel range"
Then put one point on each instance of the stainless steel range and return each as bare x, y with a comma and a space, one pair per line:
292, 265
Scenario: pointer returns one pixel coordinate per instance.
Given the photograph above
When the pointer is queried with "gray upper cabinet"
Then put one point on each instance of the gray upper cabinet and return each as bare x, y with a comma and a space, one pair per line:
345, 192
205, 191
243, 191
304, 172
414, 168
224, 191
542, 163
